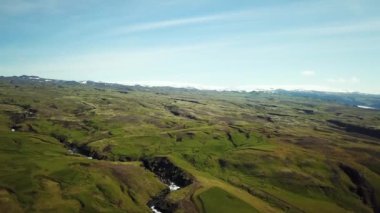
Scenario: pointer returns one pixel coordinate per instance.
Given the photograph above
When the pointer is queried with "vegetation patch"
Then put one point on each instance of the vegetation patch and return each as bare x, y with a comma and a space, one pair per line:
218, 200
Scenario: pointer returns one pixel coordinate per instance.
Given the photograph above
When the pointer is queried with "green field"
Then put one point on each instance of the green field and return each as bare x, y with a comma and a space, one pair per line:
245, 152
217, 200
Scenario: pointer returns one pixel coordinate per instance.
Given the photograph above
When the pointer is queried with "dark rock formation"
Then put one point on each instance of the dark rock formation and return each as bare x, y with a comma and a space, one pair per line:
175, 110
306, 111
161, 204
363, 189
357, 129
167, 171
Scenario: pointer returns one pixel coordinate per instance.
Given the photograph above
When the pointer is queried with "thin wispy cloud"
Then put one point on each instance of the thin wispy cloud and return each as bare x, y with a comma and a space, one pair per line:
249, 14
172, 23
318, 30
24, 6
202, 43
332, 29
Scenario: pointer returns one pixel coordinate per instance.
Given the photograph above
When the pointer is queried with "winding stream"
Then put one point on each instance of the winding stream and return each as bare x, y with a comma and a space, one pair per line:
154, 210
170, 175
172, 187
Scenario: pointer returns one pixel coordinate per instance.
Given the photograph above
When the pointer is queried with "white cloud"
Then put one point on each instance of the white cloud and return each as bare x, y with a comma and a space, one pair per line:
308, 73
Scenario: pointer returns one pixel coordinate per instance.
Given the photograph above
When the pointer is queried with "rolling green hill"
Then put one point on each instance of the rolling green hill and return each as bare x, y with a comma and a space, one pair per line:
96, 147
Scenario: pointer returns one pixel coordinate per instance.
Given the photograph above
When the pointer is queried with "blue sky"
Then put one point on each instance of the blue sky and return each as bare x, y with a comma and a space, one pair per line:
219, 44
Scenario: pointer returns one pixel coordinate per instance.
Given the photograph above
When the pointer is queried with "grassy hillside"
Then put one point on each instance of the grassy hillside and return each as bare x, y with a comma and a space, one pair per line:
251, 152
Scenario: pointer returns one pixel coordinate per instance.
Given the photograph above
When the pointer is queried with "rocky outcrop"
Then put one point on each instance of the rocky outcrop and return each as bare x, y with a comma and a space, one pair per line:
167, 171
175, 110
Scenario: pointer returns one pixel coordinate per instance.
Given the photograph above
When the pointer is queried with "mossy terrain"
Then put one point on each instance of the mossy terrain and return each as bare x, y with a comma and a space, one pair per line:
258, 151
217, 200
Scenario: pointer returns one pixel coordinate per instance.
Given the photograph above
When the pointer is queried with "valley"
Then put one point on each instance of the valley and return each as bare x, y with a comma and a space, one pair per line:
99, 147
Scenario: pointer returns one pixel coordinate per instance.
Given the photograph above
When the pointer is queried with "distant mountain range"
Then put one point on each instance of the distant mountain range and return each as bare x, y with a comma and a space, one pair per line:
354, 99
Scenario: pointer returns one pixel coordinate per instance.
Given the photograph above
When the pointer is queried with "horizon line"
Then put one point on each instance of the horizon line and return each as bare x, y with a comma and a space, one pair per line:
257, 88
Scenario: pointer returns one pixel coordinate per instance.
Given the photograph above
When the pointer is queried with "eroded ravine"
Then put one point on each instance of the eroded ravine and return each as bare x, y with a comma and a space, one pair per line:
169, 174
174, 177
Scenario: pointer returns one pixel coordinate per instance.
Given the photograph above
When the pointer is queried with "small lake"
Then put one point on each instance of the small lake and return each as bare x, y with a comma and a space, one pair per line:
364, 107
